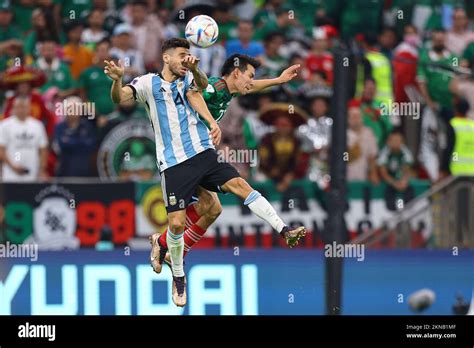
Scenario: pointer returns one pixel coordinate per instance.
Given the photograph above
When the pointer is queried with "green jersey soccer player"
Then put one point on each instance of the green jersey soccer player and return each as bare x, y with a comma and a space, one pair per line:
238, 74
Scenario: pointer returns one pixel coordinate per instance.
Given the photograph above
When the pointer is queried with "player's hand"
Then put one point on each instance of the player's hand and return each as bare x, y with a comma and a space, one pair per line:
114, 71
215, 133
191, 62
289, 73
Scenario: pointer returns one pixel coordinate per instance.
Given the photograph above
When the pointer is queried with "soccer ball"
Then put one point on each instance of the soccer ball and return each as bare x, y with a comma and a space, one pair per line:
202, 31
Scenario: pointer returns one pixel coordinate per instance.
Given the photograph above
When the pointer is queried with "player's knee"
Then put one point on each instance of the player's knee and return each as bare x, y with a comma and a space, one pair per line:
176, 224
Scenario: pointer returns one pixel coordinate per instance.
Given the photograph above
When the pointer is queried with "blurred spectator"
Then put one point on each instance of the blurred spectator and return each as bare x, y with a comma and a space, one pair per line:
23, 145
74, 142
376, 66
272, 62
281, 20
293, 88
122, 49
388, 41
71, 9
244, 44
362, 148
42, 30
360, 17
147, 35
278, 153
140, 165
95, 85
78, 55
8, 30
460, 35
95, 31
11, 54
57, 73
434, 82
395, 162
111, 15
405, 62
461, 145
227, 22
22, 10
126, 110
372, 113
22, 80
464, 87
319, 59
211, 59
170, 29
316, 139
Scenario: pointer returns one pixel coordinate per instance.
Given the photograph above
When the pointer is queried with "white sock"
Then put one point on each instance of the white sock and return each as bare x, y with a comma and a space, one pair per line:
264, 210
175, 247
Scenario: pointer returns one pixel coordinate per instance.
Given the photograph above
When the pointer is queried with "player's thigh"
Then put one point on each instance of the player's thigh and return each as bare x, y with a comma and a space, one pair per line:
179, 184
218, 175
237, 186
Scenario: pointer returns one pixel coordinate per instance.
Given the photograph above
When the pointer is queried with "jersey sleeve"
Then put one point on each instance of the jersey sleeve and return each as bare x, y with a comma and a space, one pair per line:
141, 87
209, 93
189, 83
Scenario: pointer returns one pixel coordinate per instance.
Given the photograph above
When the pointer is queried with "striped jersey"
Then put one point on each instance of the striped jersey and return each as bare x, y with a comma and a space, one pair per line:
179, 132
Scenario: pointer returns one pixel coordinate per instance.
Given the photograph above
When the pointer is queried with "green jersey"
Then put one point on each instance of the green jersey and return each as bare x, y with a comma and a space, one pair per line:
217, 97
436, 79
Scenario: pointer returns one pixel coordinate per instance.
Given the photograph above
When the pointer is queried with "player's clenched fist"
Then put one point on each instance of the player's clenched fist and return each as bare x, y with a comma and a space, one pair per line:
191, 62
114, 71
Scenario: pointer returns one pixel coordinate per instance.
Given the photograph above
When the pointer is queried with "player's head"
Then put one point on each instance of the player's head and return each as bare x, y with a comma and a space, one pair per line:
239, 71
174, 51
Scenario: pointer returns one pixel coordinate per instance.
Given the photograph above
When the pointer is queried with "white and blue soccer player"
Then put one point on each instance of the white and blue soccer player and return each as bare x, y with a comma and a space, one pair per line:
185, 149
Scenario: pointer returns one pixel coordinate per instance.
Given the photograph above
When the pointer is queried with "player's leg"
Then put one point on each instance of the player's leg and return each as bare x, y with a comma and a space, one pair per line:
178, 183
199, 216
208, 208
260, 206
175, 242
222, 177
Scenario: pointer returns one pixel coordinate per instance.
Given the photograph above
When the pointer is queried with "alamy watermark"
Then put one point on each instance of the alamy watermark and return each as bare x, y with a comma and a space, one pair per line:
345, 250
409, 109
67, 108
10, 250
238, 156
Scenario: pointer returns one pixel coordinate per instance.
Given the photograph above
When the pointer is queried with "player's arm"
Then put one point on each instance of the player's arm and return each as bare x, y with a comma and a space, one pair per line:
118, 93
287, 75
200, 78
197, 102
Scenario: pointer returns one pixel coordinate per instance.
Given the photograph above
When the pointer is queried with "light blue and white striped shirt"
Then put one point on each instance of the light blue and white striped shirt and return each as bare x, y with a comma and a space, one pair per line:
179, 133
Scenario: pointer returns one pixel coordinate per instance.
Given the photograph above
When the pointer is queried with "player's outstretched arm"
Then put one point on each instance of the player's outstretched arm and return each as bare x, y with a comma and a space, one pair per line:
200, 78
115, 72
287, 75
197, 102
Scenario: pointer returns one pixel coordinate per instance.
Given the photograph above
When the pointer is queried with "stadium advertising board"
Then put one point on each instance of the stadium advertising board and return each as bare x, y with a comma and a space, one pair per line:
224, 281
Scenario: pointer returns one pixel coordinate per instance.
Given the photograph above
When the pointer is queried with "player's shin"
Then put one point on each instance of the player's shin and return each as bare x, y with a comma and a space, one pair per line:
261, 207
264, 210
175, 243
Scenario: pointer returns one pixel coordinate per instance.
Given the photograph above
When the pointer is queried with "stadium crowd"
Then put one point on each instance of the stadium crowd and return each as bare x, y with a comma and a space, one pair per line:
411, 92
